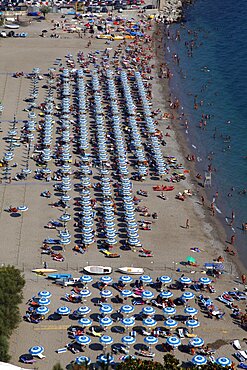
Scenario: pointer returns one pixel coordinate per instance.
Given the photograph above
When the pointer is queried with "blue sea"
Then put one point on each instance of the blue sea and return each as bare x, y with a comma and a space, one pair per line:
207, 55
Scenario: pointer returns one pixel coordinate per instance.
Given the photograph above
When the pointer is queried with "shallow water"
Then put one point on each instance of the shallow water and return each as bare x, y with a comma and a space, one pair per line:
215, 72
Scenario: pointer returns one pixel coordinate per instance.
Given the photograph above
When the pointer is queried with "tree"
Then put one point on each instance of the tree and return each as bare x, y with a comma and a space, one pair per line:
45, 10
139, 364
171, 362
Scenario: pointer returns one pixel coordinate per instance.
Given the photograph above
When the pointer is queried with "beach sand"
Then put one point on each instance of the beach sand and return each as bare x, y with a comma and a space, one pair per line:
169, 240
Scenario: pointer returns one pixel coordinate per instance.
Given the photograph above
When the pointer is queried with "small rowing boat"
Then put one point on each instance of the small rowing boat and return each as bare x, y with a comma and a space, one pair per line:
98, 270
131, 270
44, 271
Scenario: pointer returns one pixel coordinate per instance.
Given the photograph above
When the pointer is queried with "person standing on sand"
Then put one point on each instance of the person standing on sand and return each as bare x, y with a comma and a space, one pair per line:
187, 226
203, 200
243, 277
233, 239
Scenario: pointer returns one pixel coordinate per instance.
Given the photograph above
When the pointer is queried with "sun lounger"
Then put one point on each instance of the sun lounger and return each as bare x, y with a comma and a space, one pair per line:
95, 333
40, 356
242, 365
236, 344
181, 333
244, 354
239, 357
61, 350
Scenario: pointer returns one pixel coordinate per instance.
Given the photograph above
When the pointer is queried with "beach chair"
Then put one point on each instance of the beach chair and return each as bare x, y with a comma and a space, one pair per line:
181, 333
95, 333
243, 354
61, 350
236, 344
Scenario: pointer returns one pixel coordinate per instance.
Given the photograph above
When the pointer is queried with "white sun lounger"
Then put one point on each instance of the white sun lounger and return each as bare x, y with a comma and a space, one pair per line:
61, 350
236, 344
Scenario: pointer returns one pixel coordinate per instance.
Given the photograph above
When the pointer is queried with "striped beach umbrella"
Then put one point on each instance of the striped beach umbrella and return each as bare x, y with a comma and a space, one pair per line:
148, 310
171, 324
85, 293
192, 323
128, 321
165, 279
185, 280
36, 350
127, 309
44, 301
188, 295
106, 308
173, 341
82, 360
126, 293
85, 322
196, 342
166, 294
106, 340
205, 280
44, 294
105, 321
223, 361
42, 310
125, 279
150, 340
128, 340
83, 310
106, 279
63, 310
199, 360
106, 293
105, 359
147, 294
146, 279
86, 279
169, 311
149, 322
83, 340
191, 311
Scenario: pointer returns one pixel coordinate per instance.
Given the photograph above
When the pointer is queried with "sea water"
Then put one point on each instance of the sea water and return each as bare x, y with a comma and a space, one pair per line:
207, 55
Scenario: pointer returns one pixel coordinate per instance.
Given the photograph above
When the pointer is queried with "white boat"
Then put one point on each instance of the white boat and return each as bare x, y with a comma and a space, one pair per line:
131, 270
12, 26
98, 270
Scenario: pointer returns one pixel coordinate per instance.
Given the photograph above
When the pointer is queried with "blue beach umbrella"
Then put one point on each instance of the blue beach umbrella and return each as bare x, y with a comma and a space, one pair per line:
150, 340
85, 293
128, 321
84, 321
86, 279
125, 279
36, 350
106, 279
105, 359
106, 340
105, 321
205, 280
223, 361
82, 360
44, 294
188, 295
169, 311
148, 310
83, 340
199, 360
127, 309
149, 322
173, 341
147, 294
165, 279
44, 301
106, 293
190, 311
42, 310
63, 310
196, 342
166, 294
83, 310
171, 324
185, 280
192, 323
106, 308
126, 293
146, 279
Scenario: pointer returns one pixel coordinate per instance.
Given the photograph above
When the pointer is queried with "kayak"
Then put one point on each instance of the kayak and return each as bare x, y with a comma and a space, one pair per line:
44, 271
131, 270
59, 276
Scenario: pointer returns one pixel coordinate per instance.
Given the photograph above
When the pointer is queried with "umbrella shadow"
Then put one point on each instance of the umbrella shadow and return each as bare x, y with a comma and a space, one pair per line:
160, 348
95, 346
117, 329
95, 317
15, 214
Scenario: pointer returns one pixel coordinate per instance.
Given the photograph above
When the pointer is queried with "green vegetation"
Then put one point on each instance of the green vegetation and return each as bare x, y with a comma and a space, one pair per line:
11, 285
45, 10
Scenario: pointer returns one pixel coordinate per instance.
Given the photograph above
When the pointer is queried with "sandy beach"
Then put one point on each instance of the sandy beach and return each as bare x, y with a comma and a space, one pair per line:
169, 240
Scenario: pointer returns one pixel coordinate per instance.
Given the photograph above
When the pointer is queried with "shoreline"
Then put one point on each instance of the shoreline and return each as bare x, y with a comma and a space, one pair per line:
218, 227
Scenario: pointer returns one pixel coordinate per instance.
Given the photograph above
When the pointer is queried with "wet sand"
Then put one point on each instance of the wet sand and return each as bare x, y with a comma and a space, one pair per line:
169, 240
